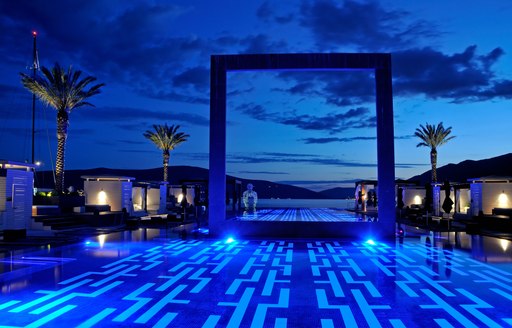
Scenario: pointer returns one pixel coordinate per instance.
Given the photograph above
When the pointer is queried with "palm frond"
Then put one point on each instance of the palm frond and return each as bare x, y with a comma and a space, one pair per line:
61, 89
433, 136
166, 137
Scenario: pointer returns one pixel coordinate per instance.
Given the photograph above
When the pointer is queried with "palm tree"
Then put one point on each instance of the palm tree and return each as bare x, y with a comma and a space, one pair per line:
64, 91
166, 138
433, 137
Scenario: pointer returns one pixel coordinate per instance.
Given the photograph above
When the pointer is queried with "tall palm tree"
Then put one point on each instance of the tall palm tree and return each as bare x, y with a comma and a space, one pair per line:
433, 137
63, 90
166, 138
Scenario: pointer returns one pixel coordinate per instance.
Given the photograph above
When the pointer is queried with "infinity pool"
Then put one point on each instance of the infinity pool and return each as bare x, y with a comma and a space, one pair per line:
148, 277
304, 215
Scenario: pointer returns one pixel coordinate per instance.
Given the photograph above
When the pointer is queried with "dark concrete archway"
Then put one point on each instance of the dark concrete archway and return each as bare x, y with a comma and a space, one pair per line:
378, 62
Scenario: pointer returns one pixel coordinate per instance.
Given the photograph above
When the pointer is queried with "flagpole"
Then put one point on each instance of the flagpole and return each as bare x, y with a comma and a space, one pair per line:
34, 67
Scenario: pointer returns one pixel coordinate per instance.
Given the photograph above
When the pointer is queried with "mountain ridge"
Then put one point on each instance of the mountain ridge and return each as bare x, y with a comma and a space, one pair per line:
460, 172
469, 169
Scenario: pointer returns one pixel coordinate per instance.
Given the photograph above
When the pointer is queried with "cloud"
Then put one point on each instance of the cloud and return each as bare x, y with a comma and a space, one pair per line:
267, 13
461, 77
142, 151
261, 43
262, 172
197, 156
162, 94
10, 91
196, 77
366, 25
134, 44
131, 142
329, 140
263, 158
111, 114
288, 154
337, 87
354, 118
349, 139
238, 92
129, 43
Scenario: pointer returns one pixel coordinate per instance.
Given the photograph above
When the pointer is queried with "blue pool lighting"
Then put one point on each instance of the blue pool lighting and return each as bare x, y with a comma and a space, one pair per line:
153, 280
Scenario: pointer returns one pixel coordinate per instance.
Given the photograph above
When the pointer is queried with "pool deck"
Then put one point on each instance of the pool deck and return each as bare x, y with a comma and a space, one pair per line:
150, 277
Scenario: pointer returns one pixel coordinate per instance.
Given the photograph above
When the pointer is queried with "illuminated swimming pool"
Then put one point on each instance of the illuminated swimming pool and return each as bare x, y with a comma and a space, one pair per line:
304, 215
146, 278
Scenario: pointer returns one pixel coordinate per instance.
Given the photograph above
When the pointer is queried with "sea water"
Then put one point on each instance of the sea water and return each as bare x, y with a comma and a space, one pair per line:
306, 203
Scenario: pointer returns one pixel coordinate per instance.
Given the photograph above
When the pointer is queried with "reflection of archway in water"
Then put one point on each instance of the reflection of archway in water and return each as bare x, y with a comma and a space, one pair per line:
380, 64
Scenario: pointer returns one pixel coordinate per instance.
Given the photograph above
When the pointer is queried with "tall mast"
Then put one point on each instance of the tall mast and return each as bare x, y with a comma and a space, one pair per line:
35, 66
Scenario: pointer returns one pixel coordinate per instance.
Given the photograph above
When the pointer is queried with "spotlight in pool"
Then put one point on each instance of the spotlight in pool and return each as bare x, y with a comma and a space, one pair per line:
230, 240
370, 242
87, 242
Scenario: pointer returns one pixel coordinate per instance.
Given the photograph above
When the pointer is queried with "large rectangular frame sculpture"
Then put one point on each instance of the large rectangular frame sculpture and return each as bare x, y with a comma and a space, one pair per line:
380, 63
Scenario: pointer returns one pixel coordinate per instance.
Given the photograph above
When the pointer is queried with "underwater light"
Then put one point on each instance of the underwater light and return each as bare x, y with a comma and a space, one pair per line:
370, 242
87, 242
230, 240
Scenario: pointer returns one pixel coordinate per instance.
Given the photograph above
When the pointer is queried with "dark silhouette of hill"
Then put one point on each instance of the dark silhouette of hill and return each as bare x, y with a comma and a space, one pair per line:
461, 172
177, 176
468, 169
338, 193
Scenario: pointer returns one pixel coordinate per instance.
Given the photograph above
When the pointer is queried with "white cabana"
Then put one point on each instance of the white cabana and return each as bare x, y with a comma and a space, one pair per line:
16, 197
150, 197
115, 191
413, 195
490, 192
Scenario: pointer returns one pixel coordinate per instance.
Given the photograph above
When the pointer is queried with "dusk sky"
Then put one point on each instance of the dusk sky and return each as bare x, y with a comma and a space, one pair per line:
452, 63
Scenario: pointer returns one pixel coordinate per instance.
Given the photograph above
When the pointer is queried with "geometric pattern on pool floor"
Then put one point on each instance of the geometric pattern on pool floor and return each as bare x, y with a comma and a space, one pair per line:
207, 283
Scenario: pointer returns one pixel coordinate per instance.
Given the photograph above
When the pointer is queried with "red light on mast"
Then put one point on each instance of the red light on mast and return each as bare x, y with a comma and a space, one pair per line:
34, 33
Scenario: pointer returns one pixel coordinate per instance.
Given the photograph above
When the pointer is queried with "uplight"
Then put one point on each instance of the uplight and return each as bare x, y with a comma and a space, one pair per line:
503, 200
102, 198
504, 244
101, 240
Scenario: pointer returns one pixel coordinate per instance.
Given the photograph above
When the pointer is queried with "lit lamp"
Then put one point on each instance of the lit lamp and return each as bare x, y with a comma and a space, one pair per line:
101, 240
503, 200
504, 244
417, 200
102, 198
180, 198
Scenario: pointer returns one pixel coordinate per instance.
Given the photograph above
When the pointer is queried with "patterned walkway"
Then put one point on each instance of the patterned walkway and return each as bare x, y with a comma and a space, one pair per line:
207, 283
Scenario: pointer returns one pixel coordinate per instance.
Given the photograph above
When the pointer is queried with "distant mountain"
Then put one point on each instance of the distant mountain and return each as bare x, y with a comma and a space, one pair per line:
178, 175
469, 169
338, 193
461, 172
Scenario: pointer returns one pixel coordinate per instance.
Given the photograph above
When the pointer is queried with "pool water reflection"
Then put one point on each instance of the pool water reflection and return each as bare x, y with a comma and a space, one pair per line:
148, 277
